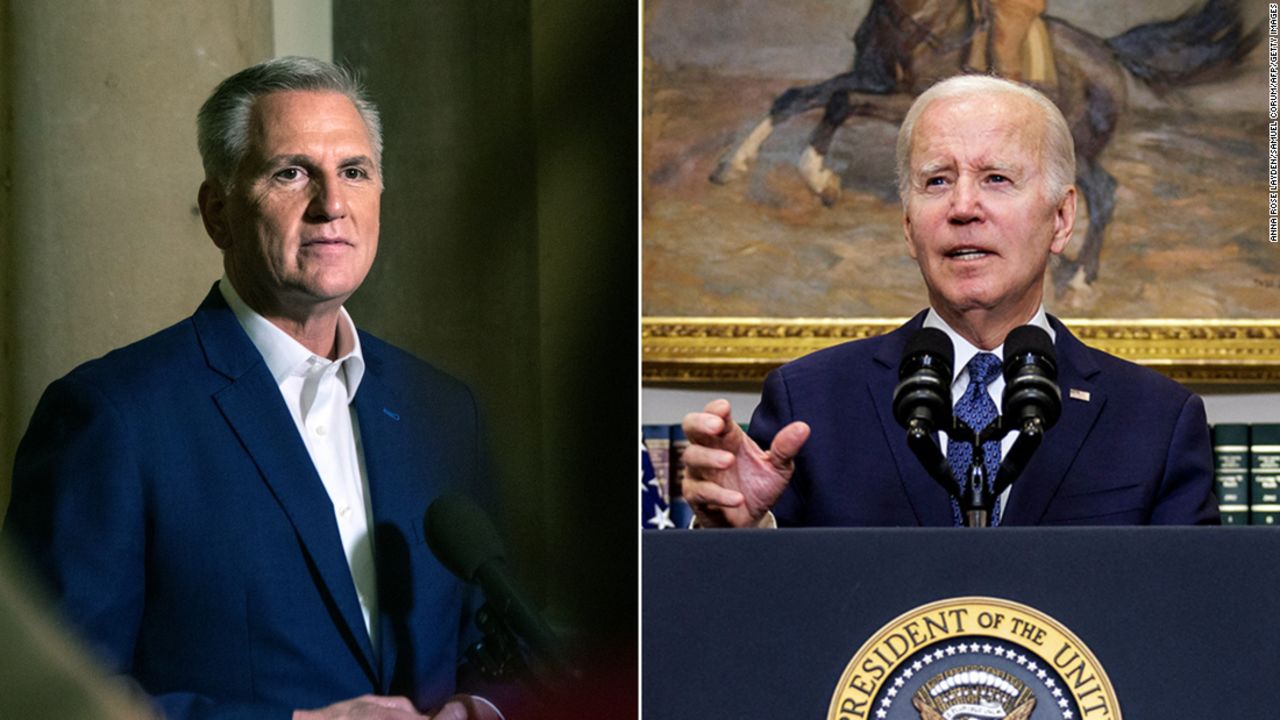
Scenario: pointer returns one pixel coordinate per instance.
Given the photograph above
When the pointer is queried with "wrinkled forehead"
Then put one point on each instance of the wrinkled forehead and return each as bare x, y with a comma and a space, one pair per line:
1001, 128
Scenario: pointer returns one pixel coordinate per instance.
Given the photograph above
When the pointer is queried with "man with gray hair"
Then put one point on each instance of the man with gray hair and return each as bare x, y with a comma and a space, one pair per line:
985, 172
230, 511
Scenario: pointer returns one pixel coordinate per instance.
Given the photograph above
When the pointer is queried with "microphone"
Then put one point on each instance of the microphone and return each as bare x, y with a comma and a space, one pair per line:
1031, 396
1031, 402
463, 539
922, 399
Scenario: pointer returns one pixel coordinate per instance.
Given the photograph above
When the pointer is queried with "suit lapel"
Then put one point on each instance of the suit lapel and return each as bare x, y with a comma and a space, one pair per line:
252, 406
383, 437
1082, 401
928, 502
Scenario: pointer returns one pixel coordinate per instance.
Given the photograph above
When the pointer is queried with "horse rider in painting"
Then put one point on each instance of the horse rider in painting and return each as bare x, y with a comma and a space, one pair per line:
1010, 40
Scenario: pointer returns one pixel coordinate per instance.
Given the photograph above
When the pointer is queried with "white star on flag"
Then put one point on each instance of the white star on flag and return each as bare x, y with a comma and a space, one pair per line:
661, 519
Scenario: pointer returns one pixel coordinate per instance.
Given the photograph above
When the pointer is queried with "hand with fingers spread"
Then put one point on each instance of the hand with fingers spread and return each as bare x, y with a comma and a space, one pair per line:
729, 480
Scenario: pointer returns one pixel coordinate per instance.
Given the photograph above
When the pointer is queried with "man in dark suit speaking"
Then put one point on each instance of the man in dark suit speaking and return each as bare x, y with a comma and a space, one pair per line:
985, 172
230, 511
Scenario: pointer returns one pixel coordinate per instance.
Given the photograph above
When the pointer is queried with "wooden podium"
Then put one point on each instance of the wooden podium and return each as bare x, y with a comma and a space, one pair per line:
762, 624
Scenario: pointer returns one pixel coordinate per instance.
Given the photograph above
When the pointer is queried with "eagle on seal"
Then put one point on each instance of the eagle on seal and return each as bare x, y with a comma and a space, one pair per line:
974, 692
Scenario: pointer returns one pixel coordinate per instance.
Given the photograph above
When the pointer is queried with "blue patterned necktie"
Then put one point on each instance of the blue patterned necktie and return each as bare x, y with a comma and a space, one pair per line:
976, 409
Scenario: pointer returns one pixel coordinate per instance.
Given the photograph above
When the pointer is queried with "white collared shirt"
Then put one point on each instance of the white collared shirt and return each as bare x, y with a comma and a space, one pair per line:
965, 351
319, 392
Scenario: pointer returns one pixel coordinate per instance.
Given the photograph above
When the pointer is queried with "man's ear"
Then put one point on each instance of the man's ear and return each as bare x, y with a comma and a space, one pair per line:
213, 211
1064, 221
906, 234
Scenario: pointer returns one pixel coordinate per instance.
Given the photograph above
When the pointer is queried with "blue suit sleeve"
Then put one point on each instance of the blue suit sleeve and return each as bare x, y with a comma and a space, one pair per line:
78, 511
1185, 495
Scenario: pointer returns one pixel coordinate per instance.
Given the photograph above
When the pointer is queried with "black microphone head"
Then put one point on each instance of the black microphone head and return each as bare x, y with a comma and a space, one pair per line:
1028, 340
929, 344
461, 535
1031, 375
924, 389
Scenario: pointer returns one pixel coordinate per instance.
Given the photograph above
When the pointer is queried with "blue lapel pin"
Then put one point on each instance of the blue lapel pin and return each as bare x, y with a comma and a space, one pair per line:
390, 414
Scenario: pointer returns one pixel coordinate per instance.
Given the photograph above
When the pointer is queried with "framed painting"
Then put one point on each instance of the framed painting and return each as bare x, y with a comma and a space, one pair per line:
771, 222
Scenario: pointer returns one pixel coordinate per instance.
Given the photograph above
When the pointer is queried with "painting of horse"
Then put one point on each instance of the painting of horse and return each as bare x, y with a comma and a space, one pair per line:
794, 126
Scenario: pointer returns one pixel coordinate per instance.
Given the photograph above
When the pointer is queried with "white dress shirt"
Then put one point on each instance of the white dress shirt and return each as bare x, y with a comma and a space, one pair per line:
965, 351
318, 392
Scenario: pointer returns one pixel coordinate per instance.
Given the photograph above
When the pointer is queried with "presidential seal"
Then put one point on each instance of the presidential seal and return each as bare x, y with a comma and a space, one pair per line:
974, 658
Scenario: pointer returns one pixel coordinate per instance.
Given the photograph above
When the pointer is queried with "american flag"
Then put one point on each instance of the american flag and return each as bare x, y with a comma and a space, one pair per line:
655, 499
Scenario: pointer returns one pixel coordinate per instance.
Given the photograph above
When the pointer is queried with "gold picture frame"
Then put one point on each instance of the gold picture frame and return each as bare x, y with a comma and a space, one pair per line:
740, 349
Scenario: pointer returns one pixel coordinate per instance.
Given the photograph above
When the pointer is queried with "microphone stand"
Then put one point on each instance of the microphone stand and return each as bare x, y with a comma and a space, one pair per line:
1030, 435
498, 654
502, 655
922, 443
975, 498
976, 501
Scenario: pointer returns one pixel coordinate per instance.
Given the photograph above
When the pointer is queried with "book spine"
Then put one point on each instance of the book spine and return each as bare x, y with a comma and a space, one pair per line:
681, 513
1231, 467
1264, 500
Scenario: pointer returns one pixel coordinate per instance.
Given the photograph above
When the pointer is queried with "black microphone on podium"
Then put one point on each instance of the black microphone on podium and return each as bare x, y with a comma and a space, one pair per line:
464, 540
922, 400
1031, 403
1031, 393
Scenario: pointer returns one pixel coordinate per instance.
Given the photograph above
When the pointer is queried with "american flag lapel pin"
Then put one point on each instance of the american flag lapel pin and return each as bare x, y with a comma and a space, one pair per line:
1078, 394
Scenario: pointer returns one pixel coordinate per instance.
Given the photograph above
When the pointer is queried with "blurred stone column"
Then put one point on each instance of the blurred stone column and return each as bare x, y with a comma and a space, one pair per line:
103, 242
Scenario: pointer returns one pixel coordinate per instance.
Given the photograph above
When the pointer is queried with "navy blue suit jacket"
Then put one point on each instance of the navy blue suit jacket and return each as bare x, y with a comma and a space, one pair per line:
1131, 447
165, 493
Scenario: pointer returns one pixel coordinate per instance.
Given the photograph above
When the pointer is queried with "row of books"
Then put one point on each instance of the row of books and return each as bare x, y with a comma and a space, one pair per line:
1246, 469
1246, 462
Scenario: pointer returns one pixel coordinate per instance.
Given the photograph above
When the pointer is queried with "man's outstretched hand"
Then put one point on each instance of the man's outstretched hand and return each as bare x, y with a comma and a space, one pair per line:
729, 481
